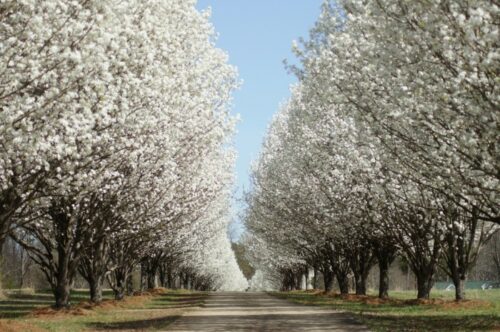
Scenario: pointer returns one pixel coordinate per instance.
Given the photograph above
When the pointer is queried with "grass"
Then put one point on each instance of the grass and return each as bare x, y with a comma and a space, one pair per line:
19, 303
148, 312
481, 312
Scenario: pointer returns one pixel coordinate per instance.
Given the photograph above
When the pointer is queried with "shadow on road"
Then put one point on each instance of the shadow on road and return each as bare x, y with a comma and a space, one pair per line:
260, 312
139, 325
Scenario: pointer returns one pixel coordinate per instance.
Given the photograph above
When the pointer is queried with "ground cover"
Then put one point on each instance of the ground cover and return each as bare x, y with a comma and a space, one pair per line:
148, 311
401, 312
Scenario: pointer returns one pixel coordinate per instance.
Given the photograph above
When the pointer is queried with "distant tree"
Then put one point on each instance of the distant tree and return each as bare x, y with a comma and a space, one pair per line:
240, 254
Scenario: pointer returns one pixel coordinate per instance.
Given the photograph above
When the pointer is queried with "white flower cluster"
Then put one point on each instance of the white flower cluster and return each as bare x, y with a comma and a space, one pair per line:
389, 145
114, 129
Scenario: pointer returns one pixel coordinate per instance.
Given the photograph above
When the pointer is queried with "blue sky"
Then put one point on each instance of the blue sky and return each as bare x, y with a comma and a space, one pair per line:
257, 35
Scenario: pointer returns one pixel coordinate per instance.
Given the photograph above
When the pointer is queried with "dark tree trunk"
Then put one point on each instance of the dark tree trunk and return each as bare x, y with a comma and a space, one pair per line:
314, 281
462, 249
2, 242
420, 241
151, 279
361, 258
149, 269
119, 289
343, 281
118, 282
170, 279
328, 280
144, 277
385, 256
57, 257
162, 272
124, 256
9, 204
459, 288
95, 285
298, 280
130, 286
360, 284
93, 267
383, 285
62, 291
424, 285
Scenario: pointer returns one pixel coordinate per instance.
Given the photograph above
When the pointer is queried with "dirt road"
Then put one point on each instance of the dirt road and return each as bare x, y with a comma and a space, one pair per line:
260, 312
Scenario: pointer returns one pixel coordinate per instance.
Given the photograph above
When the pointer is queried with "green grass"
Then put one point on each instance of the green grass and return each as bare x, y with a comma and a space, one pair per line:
136, 313
481, 313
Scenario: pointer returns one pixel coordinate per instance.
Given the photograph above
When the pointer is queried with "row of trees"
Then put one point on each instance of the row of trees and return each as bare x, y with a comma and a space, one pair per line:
114, 131
388, 146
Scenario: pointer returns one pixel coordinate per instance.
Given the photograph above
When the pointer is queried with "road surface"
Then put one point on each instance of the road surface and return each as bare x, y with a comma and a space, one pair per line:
261, 312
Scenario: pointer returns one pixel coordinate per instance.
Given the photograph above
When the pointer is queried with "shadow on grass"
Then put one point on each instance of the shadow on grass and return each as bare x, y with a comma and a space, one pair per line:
406, 315
168, 299
29, 297
432, 323
21, 304
140, 325
176, 301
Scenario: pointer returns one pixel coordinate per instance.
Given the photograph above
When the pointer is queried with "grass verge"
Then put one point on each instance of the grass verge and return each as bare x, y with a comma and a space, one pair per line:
402, 313
149, 311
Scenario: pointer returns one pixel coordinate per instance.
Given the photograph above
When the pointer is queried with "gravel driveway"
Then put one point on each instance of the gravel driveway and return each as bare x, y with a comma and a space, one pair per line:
261, 312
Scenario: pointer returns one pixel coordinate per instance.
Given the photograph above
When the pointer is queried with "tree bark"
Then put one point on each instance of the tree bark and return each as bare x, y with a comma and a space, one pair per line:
459, 288
62, 291
328, 280
119, 289
385, 256
151, 279
360, 283
144, 278
314, 281
170, 279
95, 285
424, 285
93, 269
343, 281
383, 285
130, 285
162, 273
118, 282
361, 258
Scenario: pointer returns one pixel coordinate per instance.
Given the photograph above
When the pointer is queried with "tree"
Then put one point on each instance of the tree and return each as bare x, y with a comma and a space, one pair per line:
148, 105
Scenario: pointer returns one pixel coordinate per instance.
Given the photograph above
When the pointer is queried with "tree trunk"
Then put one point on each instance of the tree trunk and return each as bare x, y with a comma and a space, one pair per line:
95, 285
162, 272
385, 252
151, 279
459, 288
119, 294
63, 275
360, 283
130, 286
328, 280
62, 292
361, 258
424, 285
383, 286
119, 289
144, 278
314, 282
118, 282
170, 279
343, 282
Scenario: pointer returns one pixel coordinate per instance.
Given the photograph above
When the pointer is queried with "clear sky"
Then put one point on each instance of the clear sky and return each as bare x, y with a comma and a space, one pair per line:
257, 35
